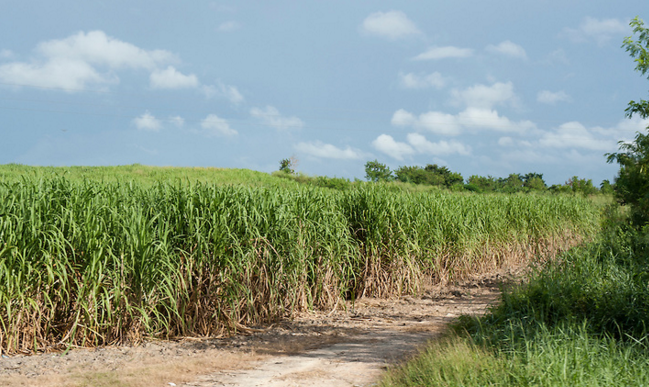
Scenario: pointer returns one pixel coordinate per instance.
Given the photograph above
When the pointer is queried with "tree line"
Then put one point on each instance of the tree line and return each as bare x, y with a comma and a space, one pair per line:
441, 176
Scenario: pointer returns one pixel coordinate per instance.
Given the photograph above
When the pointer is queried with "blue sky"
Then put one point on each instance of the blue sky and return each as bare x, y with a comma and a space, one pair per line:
486, 88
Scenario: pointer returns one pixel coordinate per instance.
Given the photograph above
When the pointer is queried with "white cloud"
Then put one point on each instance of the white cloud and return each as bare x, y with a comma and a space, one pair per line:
391, 25
506, 141
147, 122
229, 26
485, 97
557, 56
328, 151
72, 75
574, 135
422, 81
470, 118
178, 121
439, 123
510, 143
508, 48
435, 53
231, 93
6, 54
397, 150
478, 118
97, 48
551, 98
216, 126
441, 148
270, 116
81, 59
403, 118
601, 31
624, 130
227, 91
170, 78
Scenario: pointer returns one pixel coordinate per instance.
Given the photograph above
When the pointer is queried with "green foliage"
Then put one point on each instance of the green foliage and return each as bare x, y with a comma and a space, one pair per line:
632, 183
288, 165
375, 172
484, 184
606, 188
432, 174
581, 186
579, 321
85, 262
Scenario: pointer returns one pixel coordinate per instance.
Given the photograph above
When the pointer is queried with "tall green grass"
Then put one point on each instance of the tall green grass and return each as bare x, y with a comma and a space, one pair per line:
581, 321
86, 262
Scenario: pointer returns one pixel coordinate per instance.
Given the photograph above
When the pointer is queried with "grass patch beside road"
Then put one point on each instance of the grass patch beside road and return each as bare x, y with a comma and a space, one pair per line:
580, 321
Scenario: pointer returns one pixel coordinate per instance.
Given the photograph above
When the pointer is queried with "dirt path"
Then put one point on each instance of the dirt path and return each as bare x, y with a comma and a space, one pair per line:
344, 348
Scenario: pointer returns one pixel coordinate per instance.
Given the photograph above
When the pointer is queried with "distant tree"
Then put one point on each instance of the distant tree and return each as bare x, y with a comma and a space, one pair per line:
448, 178
484, 184
581, 186
375, 172
534, 181
288, 165
606, 188
510, 184
418, 175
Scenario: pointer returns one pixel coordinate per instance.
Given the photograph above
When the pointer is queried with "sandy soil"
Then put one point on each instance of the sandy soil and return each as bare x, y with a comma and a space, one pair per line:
347, 347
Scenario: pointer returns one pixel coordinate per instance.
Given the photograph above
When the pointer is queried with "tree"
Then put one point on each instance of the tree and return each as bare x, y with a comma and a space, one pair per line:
448, 178
582, 186
606, 188
632, 182
375, 172
534, 181
288, 165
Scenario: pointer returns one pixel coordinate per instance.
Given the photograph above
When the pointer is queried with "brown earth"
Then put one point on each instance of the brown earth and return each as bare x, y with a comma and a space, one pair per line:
350, 346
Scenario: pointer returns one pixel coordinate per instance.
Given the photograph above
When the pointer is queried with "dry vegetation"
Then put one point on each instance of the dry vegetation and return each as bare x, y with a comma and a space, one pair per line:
87, 263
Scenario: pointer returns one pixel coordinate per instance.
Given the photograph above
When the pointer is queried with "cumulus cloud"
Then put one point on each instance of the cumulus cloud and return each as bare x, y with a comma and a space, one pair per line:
446, 124
485, 97
6, 54
506, 141
549, 97
575, 135
391, 25
510, 142
422, 81
403, 118
178, 121
227, 91
397, 150
600, 31
270, 116
229, 26
214, 126
71, 75
441, 148
170, 78
479, 113
81, 59
328, 151
95, 47
479, 118
418, 144
147, 122
435, 53
439, 123
508, 48
557, 56
231, 93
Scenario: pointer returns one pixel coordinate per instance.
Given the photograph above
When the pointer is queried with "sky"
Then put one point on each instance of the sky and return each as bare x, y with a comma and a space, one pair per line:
482, 87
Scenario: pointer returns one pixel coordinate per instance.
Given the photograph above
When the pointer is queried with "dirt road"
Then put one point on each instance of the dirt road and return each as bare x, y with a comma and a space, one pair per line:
347, 347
